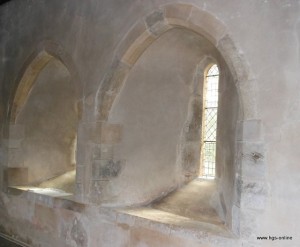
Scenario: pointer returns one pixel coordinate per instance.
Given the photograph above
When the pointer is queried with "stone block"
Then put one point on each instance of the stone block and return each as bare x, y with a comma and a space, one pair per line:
79, 191
20, 208
154, 18
83, 132
123, 218
249, 130
160, 227
180, 230
16, 176
106, 103
118, 77
84, 152
141, 222
41, 199
68, 204
110, 234
98, 191
107, 214
106, 169
80, 174
199, 236
65, 216
106, 133
159, 28
153, 238
114, 78
103, 151
46, 219
156, 23
137, 48
207, 25
178, 11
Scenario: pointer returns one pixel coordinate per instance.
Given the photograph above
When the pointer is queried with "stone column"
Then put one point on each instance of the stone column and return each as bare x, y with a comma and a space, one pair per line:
15, 173
252, 189
96, 163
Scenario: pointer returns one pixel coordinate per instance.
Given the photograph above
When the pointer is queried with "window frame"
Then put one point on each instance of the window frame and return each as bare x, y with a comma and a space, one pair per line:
202, 173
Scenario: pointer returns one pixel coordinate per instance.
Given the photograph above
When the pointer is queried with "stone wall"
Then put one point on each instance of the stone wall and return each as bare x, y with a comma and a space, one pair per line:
99, 42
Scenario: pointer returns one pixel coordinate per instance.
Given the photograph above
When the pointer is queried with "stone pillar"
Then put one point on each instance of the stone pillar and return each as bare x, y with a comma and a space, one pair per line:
252, 189
82, 162
96, 163
15, 173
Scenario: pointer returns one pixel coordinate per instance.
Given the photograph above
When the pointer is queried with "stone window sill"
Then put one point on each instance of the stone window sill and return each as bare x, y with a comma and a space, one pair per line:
164, 222
51, 198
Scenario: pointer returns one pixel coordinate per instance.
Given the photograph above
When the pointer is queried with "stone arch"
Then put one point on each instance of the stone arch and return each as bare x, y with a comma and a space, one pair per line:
249, 134
146, 31
34, 64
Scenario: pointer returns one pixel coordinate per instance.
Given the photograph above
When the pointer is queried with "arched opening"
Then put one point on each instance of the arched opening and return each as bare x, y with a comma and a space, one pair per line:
233, 115
45, 111
160, 109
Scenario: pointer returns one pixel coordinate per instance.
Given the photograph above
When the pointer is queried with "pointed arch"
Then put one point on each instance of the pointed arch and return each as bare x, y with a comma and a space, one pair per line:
34, 64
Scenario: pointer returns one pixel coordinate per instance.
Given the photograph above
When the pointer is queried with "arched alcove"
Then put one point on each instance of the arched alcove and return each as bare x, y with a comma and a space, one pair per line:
43, 125
50, 120
153, 107
240, 123
160, 108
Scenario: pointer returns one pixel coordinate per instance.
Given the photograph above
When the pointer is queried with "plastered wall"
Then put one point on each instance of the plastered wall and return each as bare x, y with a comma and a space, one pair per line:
265, 35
